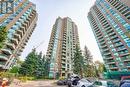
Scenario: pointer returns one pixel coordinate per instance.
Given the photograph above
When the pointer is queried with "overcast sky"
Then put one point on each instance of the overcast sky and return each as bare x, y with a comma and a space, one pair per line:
49, 10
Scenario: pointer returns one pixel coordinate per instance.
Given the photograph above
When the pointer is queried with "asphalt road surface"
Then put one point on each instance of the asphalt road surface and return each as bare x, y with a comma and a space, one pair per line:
46, 83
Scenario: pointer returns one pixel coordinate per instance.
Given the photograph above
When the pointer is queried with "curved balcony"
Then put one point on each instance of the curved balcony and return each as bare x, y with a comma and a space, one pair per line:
17, 36
1, 64
3, 57
7, 51
15, 41
19, 31
11, 45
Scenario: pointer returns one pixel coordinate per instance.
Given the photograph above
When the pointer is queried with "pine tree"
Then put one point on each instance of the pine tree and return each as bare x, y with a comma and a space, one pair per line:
87, 56
88, 69
40, 70
3, 35
30, 64
78, 62
47, 64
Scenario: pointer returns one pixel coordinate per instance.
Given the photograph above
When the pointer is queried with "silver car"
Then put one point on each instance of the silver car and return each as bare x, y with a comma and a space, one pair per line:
83, 83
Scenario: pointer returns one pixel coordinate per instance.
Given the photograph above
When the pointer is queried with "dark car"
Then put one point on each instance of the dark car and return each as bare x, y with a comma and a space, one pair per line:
125, 80
62, 82
72, 81
125, 85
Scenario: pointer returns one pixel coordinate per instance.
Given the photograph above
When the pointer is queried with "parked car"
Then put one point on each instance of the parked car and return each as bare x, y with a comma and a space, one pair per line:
84, 83
72, 81
125, 80
125, 85
102, 83
62, 82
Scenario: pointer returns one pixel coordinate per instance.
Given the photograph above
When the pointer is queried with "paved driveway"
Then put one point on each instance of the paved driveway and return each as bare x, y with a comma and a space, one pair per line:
46, 83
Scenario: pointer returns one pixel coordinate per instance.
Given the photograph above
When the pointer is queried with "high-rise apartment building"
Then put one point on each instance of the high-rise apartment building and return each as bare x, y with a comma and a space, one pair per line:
110, 20
63, 41
20, 26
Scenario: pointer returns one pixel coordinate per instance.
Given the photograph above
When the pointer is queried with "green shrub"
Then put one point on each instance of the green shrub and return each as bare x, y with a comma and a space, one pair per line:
23, 79
7, 75
26, 78
62, 78
31, 78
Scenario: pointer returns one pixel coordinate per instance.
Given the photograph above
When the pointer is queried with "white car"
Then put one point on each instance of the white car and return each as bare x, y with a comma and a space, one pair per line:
84, 83
103, 83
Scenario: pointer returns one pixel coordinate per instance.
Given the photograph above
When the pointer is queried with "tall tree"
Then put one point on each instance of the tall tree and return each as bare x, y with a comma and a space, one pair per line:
47, 64
3, 35
30, 64
40, 70
88, 69
87, 56
100, 67
78, 62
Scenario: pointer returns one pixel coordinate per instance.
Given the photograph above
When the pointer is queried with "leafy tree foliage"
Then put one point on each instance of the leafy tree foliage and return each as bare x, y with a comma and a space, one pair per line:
35, 65
87, 56
78, 62
100, 68
30, 64
3, 35
47, 63
14, 69
40, 69
88, 69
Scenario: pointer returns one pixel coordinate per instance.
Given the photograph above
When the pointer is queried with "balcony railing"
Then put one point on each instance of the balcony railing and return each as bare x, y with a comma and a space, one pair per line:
7, 51
113, 67
11, 45
17, 36
111, 62
15, 41
3, 57
107, 53
108, 58
1, 64
117, 40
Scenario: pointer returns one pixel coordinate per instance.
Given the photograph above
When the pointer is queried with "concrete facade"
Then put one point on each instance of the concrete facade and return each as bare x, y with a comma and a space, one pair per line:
63, 40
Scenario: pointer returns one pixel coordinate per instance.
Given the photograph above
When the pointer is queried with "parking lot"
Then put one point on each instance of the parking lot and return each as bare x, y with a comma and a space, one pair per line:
40, 83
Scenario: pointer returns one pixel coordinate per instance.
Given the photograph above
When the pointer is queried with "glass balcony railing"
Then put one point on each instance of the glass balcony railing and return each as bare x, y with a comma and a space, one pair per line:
113, 37
112, 33
17, 36
7, 51
1, 64
63, 62
14, 41
107, 53
128, 65
106, 49
118, 44
3, 57
104, 46
11, 45
120, 49
117, 40
113, 67
109, 58
63, 66
110, 62
63, 57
